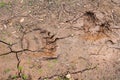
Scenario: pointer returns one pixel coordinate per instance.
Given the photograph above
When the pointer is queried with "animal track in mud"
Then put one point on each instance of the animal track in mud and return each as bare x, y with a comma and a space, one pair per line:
37, 42
40, 41
93, 28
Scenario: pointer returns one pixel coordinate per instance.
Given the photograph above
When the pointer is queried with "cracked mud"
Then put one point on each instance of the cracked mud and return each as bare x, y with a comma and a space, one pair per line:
59, 40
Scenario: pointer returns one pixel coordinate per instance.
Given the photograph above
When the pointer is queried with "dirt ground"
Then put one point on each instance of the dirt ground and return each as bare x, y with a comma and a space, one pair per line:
59, 39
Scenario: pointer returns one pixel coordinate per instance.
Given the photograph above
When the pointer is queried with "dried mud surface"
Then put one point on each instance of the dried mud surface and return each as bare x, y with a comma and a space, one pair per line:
59, 39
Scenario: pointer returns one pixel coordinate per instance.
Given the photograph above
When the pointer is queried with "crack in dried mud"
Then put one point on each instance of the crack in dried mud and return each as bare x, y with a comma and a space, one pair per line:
63, 75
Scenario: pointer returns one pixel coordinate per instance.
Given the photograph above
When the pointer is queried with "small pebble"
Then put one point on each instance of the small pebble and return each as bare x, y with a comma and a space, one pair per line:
72, 35
21, 1
68, 76
5, 26
22, 20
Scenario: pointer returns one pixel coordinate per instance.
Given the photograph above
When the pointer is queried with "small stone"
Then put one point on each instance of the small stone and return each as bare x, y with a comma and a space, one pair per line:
72, 35
5, 26
68, 76
21, 1
29, 11
22, 20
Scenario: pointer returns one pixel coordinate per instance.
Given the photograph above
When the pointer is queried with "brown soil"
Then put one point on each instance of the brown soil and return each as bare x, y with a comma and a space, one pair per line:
59, 39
